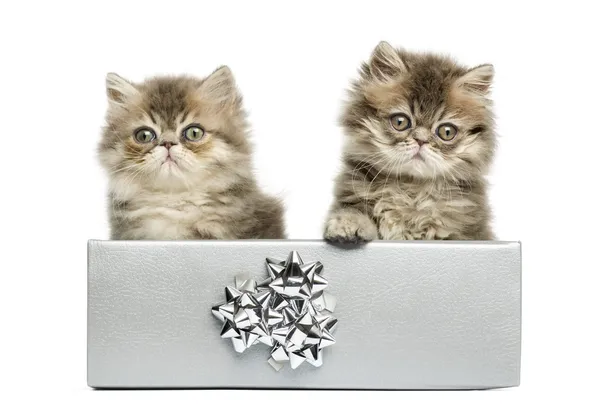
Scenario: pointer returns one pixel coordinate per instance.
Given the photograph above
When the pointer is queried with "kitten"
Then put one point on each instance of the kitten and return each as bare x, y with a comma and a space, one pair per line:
178, 157
419, 141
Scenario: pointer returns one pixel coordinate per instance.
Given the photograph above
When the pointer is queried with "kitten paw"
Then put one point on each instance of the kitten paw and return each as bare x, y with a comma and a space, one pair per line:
349, 228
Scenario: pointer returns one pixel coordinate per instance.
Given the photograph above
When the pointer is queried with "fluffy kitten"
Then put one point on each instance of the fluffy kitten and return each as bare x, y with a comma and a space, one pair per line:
179, 162
419, 140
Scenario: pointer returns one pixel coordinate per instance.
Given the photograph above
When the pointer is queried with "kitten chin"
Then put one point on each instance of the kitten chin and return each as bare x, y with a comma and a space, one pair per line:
178, 158
419, 141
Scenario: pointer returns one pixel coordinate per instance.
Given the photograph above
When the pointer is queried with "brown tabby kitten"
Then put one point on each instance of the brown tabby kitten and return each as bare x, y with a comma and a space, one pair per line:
419, 141
179, 162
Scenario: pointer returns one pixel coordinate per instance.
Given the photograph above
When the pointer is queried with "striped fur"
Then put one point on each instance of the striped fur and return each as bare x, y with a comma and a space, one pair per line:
392, 188
207, 190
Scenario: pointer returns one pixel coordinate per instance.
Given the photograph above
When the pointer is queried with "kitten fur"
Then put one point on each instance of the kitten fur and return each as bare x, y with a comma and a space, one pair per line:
172, 188
392, 188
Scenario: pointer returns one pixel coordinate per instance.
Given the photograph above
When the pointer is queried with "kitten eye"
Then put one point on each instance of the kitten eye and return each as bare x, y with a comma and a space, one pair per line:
144, 135
193, 133
400, 122
446, 131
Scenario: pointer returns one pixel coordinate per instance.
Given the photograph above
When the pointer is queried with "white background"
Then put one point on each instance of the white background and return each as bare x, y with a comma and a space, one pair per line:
292, 61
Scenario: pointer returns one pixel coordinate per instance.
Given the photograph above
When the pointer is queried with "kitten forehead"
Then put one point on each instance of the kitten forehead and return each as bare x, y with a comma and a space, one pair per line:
429, 86
169, 99
429, 81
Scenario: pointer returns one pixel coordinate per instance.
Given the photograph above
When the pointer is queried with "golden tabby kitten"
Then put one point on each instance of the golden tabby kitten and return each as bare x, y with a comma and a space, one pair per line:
419, 141
179, 162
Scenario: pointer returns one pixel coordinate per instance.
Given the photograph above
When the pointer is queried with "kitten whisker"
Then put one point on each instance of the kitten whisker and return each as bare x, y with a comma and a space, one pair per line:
122, 169
373, 164
367, 194
365, 162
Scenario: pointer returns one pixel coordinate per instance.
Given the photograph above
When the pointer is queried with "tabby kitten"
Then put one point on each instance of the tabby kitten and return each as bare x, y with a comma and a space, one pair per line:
178, 157
419, 141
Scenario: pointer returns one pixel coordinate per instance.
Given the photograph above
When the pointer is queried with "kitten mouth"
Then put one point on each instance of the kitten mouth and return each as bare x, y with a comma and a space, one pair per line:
169, 160
418, 156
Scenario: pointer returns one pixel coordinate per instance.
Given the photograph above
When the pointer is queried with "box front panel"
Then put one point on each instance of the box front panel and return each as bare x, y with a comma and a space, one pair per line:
412, 315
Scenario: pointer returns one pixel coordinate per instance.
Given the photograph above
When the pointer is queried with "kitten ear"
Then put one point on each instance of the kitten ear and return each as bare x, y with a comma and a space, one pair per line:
477, 80
118, 89
386, 61
220, 86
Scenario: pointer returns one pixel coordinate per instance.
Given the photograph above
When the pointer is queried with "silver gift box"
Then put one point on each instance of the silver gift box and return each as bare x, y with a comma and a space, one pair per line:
412, 315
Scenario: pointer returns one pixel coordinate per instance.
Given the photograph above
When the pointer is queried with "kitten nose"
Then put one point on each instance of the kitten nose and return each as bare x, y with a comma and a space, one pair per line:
167, 145
421, 142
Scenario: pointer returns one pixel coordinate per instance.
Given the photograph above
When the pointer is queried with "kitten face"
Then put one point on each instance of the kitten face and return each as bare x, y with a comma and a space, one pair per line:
420, 115
172, 133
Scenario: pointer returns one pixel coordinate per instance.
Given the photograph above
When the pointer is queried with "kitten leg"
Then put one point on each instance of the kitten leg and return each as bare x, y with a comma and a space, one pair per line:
349, 226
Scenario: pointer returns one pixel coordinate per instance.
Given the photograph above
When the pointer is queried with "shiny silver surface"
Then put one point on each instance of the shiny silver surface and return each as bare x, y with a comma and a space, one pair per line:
412, 315
287, 311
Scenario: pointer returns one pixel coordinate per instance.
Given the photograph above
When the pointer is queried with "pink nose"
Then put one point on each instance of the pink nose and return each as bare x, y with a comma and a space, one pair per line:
421, 142
167, 145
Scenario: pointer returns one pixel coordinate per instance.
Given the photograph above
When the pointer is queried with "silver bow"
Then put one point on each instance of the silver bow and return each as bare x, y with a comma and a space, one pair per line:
286, 311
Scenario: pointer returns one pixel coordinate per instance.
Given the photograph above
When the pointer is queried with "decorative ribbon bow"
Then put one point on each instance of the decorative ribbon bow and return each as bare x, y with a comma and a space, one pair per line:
285, 312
